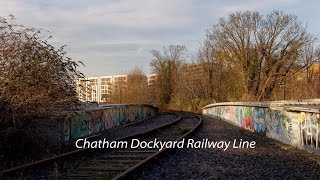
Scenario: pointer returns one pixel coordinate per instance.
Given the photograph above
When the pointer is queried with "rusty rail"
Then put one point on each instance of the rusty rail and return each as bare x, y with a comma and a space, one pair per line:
68, 154
131, 170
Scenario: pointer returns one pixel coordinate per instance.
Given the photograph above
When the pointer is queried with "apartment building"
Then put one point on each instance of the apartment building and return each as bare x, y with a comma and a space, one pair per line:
93, 85
98, 89
82, 89
120, 78
105, 88
152, 88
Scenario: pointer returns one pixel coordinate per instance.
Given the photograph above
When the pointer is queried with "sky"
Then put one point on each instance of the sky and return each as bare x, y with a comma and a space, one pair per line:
113, 36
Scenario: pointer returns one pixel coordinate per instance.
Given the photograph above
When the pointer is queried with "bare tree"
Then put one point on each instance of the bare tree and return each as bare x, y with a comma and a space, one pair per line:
118, 90
137, 87
166, 65
263, 47
310, 54
304, 82
207, 60
220, 74
245, 56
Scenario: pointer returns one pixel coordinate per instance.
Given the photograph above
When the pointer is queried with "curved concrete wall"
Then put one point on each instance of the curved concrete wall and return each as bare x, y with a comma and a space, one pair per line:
98, 119
291, 122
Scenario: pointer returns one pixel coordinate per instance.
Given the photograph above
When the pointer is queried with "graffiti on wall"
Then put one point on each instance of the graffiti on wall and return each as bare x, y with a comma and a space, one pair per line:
233, 115
79, 126
66, 129
297, 128
259, 120
108, 118
239, 115
225, 112
96, 123
247, 119
87, 123
291, 125
274, 121
310, 129
250, 118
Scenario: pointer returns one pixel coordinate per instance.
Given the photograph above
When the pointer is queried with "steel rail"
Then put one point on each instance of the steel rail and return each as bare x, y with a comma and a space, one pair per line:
67, 154
131, 170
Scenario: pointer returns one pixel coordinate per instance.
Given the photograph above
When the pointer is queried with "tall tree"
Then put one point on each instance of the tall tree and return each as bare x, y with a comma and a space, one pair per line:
118, 90
265, 48
137, 87
208, 61
166, 65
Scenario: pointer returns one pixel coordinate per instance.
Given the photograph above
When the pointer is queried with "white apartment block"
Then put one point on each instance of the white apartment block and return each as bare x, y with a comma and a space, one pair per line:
151, 78
98, 89
152, 88
105, 88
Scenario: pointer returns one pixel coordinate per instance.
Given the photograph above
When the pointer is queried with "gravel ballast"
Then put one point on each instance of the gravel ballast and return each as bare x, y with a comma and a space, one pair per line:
269, 159
110, 134
141, 126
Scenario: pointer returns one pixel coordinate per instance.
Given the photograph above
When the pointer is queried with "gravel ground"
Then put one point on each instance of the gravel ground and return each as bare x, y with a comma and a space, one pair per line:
169, 133
269, 160
115, 133
139, 127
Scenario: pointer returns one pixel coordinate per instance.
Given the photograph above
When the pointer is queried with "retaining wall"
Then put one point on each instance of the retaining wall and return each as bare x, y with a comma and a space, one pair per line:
291, 122
101, 118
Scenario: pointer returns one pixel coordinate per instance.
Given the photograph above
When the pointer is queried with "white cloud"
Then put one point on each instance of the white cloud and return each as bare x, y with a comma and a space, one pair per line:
124, 31
255, 5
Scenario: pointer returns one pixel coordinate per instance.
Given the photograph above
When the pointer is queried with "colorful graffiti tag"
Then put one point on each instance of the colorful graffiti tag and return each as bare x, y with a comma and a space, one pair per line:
310, 129
274, 121
90, 122
259, 120
247, 120
297, 128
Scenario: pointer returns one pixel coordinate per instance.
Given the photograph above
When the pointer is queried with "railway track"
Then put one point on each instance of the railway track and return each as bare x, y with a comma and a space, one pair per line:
109, 163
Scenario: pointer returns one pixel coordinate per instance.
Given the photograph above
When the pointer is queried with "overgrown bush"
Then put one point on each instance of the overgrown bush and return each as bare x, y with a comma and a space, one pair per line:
37, 81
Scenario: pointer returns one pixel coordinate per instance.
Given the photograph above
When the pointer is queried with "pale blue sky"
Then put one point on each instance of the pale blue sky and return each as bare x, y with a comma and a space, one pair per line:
113, 36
